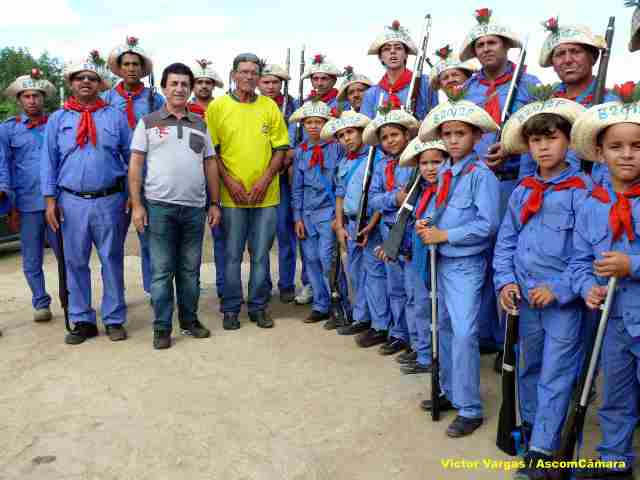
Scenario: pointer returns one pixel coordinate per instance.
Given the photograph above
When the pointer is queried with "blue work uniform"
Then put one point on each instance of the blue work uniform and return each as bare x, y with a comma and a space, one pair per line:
6, 203
23, 153
471, 219
367, 273
72, 174
140, 109
314, 203
533, 255
427, 99
384, 201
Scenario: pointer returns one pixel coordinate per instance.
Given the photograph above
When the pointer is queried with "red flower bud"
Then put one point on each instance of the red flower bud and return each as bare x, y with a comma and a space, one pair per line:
334, 112
318, 58
625, 91
35, 73
483, 12
395, 25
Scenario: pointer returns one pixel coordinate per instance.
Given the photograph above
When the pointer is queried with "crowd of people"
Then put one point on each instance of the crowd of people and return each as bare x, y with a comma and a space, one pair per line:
518, 224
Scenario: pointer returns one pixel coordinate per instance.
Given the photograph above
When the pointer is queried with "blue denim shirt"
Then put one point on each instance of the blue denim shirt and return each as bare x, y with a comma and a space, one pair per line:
22, 147
312, 201
427, 99
380, 199
471, 217
538, 253
350, 178
592, 237
89, 168
5, 182
140, 102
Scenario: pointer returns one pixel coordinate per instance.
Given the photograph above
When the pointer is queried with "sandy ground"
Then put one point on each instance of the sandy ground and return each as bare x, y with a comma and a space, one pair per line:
294, 402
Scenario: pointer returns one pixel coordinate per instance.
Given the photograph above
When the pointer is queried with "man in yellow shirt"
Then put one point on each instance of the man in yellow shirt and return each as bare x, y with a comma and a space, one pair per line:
250, 137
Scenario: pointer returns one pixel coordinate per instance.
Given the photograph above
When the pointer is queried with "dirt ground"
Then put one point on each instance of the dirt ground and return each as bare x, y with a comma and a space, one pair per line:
294, 402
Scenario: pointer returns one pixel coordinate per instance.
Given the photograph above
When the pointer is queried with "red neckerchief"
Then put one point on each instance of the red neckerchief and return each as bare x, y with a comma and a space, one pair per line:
399, 84
536, 198
353, 155
34, 122
586, 101
492, 105
129, 96
196, 108
443, 193
389, 173
87, 126
327, 97
317, 157
620, 214
424, 199
279, 99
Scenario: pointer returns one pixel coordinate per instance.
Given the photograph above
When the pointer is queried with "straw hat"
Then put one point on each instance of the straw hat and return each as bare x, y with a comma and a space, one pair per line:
320, 64
461, 111
409, 157
311, 109
276, 71
130, 46
203, 69
586, 129
393, 33
559, 35
512, 136
634, 43
33, 81
484, 28
387, 117
449, 61
347, 119
351, 78
94, 63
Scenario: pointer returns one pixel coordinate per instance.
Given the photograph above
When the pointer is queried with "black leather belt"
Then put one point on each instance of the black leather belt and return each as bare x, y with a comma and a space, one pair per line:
98, 193
507, 176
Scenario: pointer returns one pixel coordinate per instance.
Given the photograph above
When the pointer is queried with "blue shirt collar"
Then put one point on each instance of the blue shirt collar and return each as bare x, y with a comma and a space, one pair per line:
570, 171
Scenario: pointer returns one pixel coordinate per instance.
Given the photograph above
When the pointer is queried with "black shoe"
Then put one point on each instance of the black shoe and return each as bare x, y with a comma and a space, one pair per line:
331, 324
195, 330
532, 470
600, 472
230, 321
415, 368
497, 363
392, 346
81, 331
161, 339
316, 316
288, 295
407, 357
488, 349
371, 337
463, 426
354, 328
262, 318
445, 405
116, 332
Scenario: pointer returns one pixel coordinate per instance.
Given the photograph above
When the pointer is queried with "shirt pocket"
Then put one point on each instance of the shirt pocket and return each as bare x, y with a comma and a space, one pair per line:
196, 142
109, 138
460, 208
556, 237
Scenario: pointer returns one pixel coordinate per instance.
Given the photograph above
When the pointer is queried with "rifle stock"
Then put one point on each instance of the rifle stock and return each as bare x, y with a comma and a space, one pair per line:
414, 87
436, 391
63, 289
338, 311
513, 90
300, 94
392, 244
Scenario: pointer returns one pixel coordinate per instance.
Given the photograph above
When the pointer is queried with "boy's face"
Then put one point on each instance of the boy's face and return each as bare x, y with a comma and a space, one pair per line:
313, 126
459, 137
620, 149
550, 150
393, 139
350, 138
429, 162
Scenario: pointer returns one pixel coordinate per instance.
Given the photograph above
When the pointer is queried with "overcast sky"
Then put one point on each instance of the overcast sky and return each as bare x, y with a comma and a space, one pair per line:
341, 30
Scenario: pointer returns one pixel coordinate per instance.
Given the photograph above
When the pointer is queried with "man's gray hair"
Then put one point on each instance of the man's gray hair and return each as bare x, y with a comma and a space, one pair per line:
247, 57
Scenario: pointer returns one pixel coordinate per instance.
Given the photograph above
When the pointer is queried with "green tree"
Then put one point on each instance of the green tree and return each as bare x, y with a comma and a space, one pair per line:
19, 61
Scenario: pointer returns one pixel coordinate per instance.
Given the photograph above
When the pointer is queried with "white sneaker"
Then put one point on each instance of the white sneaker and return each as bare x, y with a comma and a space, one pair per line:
305, 296
42, 315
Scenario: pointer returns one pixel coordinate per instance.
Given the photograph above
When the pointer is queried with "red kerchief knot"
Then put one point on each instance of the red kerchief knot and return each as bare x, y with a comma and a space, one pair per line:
600, 193
392, 88
621, 216
129, 96
443, 193
87, 126
317, 157
326, 98
492, 104
195, 108
279, 99
37, 121
586, 101
425, 198
536, 198
352, 155
390, 174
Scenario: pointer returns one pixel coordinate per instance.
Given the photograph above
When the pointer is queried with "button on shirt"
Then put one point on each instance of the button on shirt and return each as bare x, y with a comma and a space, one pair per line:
538, 253
175, 153
89, 168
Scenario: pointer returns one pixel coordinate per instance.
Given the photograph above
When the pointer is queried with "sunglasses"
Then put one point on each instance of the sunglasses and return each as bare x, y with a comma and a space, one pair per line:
88, 78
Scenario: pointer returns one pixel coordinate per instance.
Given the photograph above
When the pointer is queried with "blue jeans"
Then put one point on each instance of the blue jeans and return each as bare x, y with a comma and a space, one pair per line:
255, 228
175, 234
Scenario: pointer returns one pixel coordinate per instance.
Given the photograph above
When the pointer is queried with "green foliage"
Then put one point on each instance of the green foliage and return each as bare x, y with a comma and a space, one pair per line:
19, 61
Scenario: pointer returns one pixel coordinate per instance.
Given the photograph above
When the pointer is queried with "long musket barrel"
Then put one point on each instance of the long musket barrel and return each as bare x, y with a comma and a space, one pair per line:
300, 94
285, 103
603, 67
513, 90
436, 391
414, 87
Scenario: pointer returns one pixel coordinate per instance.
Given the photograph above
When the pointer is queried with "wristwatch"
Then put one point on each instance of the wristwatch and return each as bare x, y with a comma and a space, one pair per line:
216, 204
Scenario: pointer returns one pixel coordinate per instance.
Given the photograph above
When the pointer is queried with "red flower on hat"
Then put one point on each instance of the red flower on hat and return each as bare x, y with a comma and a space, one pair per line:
35, 73
551, 25
94, 56
318, 59
132, 41
203, 62
483, 15
335, 113
395, 25
444, 52
626, 91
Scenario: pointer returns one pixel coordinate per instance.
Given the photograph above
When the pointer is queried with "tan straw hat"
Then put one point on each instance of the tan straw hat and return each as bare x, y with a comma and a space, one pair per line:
460, 111
311, 109
130, 46
409, 157
351, 78
33, 81
484, 28
348, 119
275, 70
93, 63
203, 69
387, 117
393, 33
320, 64
449, 61
559, 35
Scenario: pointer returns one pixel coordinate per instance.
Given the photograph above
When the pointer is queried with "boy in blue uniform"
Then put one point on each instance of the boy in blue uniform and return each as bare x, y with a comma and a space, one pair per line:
392, 129
21, 140
314, 202
531, 261
131, 63
607, 244
393, 47
83, 170
353, 88
367, 273
464, 221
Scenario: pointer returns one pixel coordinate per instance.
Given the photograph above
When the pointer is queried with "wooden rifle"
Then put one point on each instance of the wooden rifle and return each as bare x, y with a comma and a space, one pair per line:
300, 95
436, 391
513, 90
285, 102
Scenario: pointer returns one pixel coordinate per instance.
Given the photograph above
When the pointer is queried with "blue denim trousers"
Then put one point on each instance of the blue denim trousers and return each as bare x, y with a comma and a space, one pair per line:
175, 234
256, 229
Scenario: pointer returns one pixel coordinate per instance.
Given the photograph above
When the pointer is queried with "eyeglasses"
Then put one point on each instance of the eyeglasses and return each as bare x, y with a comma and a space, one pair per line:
88, 78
